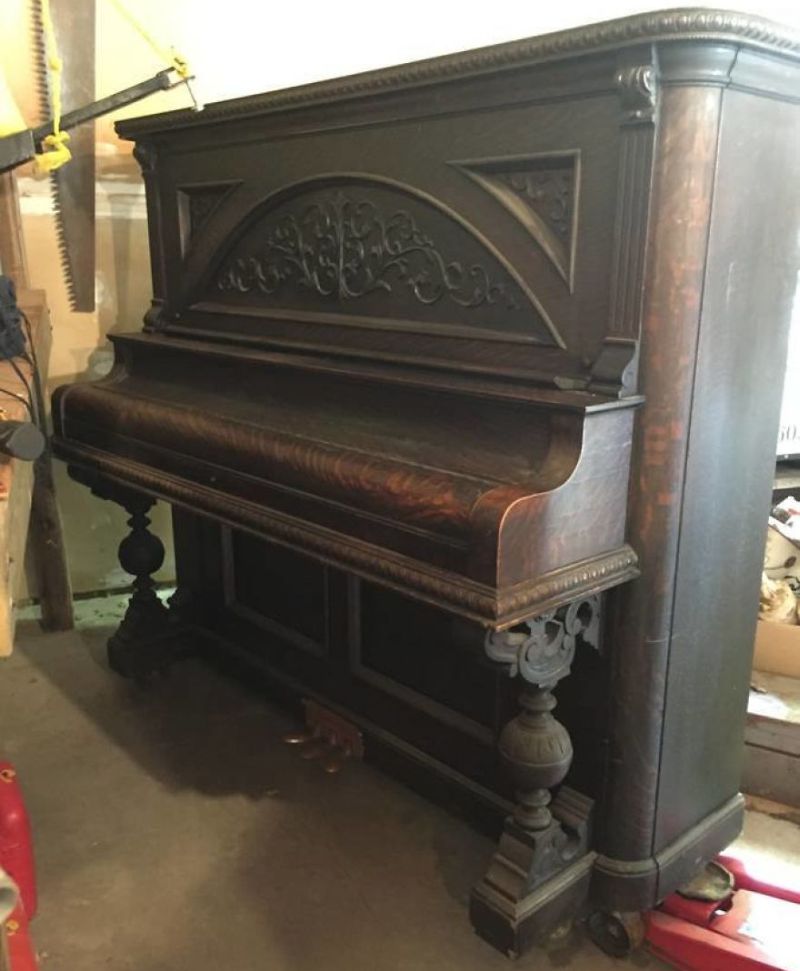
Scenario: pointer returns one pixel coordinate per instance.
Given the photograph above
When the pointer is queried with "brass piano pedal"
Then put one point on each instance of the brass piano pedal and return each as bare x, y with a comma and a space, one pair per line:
333, 763
297, 738
315, 749
328, 739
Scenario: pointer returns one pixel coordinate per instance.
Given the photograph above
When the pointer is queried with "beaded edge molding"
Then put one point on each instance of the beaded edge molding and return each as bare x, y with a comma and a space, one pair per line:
492, 608
700, 24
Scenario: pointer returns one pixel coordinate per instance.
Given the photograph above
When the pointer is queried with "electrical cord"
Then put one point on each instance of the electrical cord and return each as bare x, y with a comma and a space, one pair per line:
20, 439
33, 360
23, 399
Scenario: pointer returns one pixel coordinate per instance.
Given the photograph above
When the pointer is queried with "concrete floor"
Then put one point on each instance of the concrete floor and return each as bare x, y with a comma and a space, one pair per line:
174, 831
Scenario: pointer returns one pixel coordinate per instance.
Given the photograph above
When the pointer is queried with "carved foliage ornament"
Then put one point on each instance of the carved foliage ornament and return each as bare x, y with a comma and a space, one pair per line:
541, 650
346, 248
541, 192
197, 203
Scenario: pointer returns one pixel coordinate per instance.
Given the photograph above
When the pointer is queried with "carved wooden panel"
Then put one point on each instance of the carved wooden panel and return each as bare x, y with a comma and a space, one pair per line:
371, 248
196, 203
542, 192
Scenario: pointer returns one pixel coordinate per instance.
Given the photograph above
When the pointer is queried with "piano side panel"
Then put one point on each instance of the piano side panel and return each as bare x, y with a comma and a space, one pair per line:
749, 296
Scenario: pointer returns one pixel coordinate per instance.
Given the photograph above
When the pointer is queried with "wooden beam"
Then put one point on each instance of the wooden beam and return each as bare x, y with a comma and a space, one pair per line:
13, 260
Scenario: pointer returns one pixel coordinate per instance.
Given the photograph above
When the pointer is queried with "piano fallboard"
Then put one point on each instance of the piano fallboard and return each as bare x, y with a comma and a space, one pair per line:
525, 513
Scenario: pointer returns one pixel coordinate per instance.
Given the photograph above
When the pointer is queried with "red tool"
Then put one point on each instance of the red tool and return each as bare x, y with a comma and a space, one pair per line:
21, 955
16, 858
756, 928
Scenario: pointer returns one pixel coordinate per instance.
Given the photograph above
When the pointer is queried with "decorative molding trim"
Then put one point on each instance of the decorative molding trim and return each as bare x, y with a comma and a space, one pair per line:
541, 192
493, 608
689, 24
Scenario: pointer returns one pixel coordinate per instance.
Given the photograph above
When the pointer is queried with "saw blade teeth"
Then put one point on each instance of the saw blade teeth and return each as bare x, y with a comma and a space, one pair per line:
61, 243
42, 77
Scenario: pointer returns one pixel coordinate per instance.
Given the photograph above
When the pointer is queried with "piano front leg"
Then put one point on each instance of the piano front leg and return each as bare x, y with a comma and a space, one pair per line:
139, 645
151, 635
538, 878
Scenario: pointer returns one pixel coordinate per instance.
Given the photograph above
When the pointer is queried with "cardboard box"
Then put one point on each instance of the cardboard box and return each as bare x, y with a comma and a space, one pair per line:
777, 649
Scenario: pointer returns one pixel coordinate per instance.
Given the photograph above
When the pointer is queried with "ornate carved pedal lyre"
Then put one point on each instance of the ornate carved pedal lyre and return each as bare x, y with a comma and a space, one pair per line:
539, 839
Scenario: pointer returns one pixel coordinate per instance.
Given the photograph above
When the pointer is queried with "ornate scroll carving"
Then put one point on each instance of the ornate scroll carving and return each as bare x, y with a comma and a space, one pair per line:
541, 192
541, 649
347, 247
637, 92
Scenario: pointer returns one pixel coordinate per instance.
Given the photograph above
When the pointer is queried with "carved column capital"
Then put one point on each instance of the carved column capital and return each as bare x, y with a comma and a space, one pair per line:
146, 155
638, 92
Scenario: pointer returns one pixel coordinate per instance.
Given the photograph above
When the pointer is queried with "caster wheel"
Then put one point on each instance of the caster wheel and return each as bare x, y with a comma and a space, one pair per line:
618, 934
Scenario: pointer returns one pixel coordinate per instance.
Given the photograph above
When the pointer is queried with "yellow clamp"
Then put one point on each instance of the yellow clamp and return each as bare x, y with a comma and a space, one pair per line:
55, 152
170, 55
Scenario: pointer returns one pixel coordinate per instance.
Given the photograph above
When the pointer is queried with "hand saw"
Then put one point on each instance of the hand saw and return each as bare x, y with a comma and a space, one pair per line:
72, 187
73, 184
22, 146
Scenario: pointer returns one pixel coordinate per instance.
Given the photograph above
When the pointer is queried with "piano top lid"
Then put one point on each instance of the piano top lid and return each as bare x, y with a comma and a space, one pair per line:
699, 24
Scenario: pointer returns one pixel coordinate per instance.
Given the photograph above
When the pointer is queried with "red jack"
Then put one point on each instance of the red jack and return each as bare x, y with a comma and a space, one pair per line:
754, 929
16, 858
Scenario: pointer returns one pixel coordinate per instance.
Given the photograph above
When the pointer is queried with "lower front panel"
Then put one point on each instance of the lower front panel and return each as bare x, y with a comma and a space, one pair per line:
414, 678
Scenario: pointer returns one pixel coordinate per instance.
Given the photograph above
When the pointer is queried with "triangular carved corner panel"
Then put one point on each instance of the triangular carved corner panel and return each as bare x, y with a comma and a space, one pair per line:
542, 192
196, 203
359, 247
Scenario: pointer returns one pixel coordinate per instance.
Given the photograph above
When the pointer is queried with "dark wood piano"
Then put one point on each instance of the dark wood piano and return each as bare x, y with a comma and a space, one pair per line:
470, 368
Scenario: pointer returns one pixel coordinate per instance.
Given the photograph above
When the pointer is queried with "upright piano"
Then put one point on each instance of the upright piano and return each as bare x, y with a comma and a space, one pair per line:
462, 380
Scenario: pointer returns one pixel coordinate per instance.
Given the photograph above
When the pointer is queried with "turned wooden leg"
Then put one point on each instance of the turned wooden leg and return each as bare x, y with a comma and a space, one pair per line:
133, 648
540, 872
151, 635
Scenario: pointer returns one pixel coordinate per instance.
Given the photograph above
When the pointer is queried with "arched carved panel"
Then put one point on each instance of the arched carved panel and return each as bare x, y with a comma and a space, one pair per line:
541, 191
364, 247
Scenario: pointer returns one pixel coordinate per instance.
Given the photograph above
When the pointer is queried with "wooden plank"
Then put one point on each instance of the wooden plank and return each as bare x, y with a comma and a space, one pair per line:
772, 739
20, 482
13, 262
26, 490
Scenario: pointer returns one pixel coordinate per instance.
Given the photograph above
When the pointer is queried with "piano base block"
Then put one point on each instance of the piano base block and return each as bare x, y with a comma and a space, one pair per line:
515, 925
538, 879
147, 642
